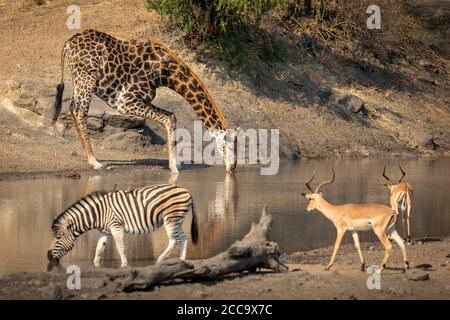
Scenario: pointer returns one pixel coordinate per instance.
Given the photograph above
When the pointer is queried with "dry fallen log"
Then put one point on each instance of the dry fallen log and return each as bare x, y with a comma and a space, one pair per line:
254, 251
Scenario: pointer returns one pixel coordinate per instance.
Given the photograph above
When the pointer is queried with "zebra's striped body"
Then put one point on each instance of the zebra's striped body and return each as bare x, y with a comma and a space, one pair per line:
138, 211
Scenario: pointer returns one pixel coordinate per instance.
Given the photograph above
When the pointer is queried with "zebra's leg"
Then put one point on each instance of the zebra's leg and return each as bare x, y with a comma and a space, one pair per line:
117, 233
84, 85
168, 251
176, 236
101, 244
132, 104
183, 245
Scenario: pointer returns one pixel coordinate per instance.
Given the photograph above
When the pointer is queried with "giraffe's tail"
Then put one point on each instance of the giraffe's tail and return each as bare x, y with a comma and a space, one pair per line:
59, 89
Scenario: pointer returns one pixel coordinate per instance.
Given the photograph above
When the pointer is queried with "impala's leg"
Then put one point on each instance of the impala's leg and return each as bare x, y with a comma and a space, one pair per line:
117, 233
101, 244
79, 108
408, 219
404, 223
337, 244
396, 237
131, 103
386, 243
358, 248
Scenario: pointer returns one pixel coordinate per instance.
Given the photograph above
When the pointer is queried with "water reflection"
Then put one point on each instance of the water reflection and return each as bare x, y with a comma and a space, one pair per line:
227, 205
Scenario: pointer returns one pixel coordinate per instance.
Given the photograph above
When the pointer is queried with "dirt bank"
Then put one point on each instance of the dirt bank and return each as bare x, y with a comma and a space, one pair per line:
311, 101
306, 279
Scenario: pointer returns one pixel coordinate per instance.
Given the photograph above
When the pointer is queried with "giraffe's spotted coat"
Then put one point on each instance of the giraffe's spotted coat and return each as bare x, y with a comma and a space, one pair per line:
126, 74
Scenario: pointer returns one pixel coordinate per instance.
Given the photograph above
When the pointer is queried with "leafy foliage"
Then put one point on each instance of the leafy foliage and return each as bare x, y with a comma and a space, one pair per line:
206, 20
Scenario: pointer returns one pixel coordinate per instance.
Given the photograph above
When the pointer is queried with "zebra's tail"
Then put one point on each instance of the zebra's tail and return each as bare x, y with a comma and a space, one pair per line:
194, 224
59, 89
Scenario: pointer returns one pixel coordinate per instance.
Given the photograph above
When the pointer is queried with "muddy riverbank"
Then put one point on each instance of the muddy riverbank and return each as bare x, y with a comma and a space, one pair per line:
306, 279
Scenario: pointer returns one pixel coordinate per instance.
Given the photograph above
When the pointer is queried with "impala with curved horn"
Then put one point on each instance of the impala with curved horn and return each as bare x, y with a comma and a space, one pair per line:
357, 217
401, 200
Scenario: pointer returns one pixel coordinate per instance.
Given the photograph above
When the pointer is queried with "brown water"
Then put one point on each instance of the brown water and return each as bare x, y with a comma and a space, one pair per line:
226, 206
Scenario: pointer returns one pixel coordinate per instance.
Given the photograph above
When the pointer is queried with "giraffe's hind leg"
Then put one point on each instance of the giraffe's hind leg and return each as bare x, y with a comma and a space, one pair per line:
84, 85
131, 103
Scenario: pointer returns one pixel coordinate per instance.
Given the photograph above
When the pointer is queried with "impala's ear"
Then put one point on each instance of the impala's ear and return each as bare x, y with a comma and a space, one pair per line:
303, 194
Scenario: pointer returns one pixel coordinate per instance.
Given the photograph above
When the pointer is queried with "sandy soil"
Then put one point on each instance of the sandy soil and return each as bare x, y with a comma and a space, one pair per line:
307, 279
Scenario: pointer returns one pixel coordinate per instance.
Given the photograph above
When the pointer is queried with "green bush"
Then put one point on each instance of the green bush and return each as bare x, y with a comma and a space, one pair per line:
205, 20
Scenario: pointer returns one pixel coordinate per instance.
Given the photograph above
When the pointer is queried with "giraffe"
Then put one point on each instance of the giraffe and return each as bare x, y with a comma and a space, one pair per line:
125, 74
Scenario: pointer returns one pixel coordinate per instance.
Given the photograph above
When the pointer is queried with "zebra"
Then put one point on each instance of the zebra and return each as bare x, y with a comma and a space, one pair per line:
137, 211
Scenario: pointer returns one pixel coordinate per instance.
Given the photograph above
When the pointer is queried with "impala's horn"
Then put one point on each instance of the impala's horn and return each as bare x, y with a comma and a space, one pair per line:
384, 174
310, 180
325, 183
403, 173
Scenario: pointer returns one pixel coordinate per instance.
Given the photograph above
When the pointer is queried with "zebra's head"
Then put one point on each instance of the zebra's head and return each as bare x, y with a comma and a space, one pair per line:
67, 227
61, 244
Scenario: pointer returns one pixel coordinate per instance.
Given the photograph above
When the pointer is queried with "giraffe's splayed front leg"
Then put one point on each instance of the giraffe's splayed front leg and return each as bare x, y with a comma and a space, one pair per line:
226, 142
173, 167
170, 122
95, 164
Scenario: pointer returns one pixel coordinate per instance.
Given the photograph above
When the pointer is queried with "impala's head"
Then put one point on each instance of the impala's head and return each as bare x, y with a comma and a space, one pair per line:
314, 195
392, 184
226, 142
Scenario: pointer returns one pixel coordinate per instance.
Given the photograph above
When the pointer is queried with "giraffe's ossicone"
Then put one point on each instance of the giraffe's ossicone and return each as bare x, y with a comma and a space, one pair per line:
125, 74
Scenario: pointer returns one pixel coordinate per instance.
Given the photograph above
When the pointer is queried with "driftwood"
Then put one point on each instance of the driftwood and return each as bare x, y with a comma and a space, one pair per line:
254, 251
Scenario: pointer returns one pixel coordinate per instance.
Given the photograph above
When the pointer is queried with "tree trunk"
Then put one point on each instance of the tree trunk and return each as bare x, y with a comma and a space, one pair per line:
254, 251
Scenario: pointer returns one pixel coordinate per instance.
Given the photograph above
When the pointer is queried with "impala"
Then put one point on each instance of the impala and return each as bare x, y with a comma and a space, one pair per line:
401, 198
354, 218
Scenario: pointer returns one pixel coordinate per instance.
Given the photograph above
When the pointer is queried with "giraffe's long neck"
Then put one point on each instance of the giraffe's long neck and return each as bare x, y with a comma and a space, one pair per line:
186, 83
176, 75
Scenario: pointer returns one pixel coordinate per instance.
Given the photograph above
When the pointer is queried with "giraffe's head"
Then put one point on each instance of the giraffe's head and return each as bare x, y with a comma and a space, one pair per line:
226, 142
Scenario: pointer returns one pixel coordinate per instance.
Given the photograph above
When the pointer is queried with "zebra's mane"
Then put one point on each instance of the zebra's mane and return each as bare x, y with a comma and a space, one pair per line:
62, 218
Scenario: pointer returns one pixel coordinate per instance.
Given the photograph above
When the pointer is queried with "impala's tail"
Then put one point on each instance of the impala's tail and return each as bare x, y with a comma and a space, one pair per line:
194, 224
404, 202
59, 90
